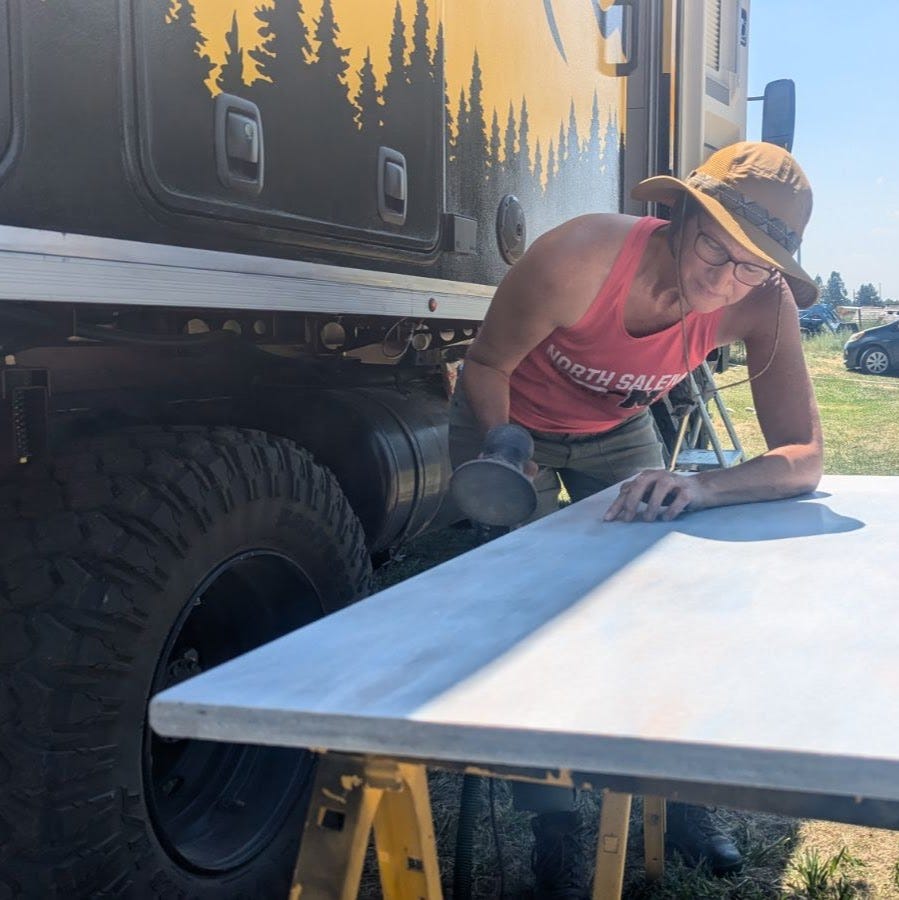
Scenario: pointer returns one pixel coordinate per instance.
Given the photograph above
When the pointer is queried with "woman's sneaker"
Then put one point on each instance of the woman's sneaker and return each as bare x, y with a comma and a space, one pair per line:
693, 832
557, 859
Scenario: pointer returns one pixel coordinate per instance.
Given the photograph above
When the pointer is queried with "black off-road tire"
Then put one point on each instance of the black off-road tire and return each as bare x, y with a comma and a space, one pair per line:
102, 550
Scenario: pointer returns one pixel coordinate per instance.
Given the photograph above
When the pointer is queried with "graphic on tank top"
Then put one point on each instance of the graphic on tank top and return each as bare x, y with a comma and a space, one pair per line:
635, 389
593, 375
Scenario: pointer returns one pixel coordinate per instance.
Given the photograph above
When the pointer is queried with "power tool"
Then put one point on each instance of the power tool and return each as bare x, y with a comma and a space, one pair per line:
493, 489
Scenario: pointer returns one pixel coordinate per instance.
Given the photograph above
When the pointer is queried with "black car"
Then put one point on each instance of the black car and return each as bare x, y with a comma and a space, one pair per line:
874, 350
821, 317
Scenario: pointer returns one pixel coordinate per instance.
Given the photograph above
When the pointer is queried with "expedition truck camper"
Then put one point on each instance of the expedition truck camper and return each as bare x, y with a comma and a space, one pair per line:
243, 244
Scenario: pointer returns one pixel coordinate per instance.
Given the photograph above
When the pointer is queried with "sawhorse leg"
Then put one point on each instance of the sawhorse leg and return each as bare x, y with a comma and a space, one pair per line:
611, 848
350, 796
654, 836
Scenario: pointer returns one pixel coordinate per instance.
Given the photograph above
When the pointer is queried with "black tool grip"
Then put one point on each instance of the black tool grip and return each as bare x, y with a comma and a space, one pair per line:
511, 443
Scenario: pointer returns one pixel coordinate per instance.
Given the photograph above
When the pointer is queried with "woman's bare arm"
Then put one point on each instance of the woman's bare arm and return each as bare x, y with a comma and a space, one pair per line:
551, 286
787, 413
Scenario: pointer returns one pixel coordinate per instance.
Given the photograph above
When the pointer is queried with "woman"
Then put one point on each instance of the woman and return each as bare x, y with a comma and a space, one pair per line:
606, 313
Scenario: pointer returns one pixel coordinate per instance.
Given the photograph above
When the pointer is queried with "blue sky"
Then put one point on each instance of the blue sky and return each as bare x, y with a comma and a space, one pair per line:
842, 57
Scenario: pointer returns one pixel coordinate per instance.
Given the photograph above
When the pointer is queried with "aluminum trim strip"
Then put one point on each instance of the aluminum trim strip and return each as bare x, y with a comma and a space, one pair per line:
68, 268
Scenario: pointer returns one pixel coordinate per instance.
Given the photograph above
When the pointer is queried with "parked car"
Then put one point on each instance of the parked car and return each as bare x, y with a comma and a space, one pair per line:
874, 350
822, 317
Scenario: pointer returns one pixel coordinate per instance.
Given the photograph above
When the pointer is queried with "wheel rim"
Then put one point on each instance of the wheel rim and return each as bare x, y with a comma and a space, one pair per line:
876, 362
214, 806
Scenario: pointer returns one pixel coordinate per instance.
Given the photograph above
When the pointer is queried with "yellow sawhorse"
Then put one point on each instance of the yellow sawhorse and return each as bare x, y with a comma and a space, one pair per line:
352, 795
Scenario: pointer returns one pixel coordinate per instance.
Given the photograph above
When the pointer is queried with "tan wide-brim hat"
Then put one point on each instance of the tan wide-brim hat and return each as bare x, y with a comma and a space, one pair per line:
759, 195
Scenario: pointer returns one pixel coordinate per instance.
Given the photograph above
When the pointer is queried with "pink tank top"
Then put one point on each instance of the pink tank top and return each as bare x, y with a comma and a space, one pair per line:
593, 376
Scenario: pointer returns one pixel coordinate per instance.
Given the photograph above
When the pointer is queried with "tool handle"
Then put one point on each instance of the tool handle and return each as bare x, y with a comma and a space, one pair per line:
509, 442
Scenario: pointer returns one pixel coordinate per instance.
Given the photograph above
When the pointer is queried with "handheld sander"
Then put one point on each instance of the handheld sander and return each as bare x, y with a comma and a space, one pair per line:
493, 489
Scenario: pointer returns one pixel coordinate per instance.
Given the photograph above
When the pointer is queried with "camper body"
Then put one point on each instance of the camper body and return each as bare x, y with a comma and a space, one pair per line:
243, 247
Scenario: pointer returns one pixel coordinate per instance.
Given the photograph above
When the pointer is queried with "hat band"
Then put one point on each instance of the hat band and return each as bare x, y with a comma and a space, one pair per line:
737, 203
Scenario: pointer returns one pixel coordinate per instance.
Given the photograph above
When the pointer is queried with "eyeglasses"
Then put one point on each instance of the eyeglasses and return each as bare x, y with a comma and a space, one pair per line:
713, 253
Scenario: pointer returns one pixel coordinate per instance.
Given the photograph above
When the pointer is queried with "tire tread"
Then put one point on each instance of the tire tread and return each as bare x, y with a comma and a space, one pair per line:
87, 535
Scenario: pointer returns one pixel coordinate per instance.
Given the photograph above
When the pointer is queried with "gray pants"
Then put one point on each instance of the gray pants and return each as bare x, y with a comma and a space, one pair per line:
584, 464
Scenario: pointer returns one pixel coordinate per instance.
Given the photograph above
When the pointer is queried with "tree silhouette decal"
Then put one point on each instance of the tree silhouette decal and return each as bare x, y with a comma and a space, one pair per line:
177, 85
369, 106
321, 143
284, 51
230, 78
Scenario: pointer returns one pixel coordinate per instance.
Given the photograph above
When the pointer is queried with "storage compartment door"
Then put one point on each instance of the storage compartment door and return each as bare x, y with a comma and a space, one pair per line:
316, 117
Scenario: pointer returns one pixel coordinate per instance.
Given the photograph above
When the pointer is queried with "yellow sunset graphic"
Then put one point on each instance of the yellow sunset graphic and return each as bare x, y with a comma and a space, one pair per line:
519, 54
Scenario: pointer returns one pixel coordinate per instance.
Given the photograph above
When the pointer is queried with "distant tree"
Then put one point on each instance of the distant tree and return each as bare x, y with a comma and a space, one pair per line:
867, 295
835, 292
819, 284
230, 77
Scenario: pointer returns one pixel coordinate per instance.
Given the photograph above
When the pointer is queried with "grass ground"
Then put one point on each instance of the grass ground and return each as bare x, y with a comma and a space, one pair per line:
785, 858
859, 413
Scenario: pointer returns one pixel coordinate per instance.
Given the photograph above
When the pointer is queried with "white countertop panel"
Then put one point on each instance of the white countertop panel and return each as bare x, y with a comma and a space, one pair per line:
754, 645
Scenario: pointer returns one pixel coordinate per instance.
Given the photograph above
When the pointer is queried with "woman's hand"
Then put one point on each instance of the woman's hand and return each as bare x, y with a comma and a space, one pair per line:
665, 495
530, 469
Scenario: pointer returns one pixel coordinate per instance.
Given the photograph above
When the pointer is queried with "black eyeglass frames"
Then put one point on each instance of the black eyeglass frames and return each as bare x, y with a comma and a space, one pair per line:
713, 253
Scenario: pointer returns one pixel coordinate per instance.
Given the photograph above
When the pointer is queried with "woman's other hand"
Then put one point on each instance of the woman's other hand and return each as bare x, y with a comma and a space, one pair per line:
656, 494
